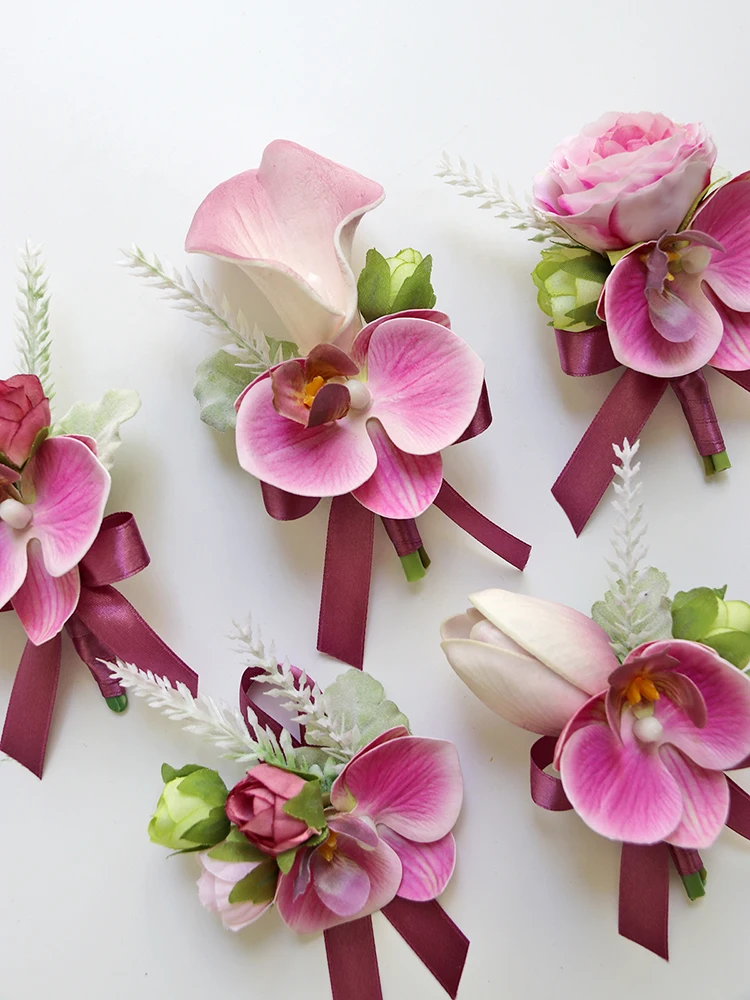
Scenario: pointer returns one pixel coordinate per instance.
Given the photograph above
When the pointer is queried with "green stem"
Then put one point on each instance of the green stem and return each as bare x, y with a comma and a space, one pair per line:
414, 566
424, 557
716, 463
695, 884
118, 704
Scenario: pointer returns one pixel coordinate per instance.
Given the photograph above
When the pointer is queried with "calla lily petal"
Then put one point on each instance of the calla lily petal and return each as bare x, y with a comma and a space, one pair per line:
726, 216
401, 485
13, 561
412, 785
322, 461
566, 641
705, 798
45, 602
427, 868
290, 225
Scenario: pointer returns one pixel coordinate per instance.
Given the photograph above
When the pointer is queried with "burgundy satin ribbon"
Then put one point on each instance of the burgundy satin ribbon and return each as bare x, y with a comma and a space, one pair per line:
644, 868
345, 593
104, 626
624, 413
350, 948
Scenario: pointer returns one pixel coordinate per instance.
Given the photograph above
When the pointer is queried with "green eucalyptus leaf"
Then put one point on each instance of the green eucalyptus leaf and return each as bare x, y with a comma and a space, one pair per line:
211, 830
307, 805
374, 286
219, 380
258, 886
357, 702
102, 421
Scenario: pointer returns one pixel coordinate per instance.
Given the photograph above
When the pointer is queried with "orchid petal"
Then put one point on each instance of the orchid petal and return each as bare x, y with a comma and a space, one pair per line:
362, 829
13, 561
733, 353
427, 868
361, 344
340, 883
412, 785
288, 381
328, 361
290, 225
311, 462
726, 217
401, 485
45, 602
705, 799
72, 488
566, 641
331, 402
217, 880
425, 383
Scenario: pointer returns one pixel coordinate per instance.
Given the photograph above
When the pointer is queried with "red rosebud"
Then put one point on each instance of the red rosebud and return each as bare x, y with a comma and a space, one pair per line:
255, 806
24, 412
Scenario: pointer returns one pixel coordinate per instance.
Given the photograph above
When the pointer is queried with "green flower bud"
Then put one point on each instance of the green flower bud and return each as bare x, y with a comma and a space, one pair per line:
704, 616
393, 284
570, 281
190, 812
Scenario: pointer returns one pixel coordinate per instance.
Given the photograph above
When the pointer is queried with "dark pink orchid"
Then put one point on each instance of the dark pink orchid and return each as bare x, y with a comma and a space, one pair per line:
50, 515
683, 301
371, 423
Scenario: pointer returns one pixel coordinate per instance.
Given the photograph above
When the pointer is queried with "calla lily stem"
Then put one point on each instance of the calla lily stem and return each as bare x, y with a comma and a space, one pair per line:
415, 564
118, 703
716, 463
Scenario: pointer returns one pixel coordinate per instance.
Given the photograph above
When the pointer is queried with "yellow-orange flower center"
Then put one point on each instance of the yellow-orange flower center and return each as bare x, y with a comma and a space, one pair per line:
311, 389
328, 847
641, 688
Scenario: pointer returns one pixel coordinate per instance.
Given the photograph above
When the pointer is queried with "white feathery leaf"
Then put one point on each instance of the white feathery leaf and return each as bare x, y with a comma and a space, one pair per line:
35, 339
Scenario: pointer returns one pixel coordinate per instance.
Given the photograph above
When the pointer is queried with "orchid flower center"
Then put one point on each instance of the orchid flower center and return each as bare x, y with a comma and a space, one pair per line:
16, 514
328, 848
359, 394
311, 390
641, 688
647, 729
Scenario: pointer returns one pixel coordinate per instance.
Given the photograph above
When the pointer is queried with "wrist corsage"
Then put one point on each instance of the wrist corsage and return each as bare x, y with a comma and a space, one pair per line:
649, 267
335, 409
59, 554
641, 708
353, 817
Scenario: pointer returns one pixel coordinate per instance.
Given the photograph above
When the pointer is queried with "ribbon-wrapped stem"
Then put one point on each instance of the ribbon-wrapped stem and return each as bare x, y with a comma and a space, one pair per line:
695, 400
407, 542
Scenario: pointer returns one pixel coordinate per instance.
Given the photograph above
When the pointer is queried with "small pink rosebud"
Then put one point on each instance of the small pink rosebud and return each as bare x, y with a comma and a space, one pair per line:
24, 412
256, 806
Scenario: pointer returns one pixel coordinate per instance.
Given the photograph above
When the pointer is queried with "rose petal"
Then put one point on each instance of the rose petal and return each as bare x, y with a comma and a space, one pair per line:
45, 602
427, 868
402, 485
412, 785
705, 801
726, 217
313, 462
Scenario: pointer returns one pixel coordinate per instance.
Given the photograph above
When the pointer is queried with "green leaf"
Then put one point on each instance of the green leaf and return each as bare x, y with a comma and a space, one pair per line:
258, 886
614, 256
211, 830
285, 861
374, 286
169, 773
206, 785
231, 850
282, 350
694, 613
732, 645
652, 619
219, 380
416, 292
307, 805
721, 592
356, 700
102, 421
585, 314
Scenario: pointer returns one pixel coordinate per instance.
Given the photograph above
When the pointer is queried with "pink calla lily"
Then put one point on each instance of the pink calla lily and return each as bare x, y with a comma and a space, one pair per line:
49, 518
533, 662
683, 301
395, 804
371, 423
643, 761
290, 224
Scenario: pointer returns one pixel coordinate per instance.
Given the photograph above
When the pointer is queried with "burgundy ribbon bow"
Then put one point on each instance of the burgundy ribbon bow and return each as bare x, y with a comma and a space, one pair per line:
345, 594
624, 413
644, 868
105, 626
350, 948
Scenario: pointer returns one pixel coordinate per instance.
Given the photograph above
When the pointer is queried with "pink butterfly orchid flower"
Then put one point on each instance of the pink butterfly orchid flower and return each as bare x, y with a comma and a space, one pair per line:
372, 422
677, 303
50, 514
289, 225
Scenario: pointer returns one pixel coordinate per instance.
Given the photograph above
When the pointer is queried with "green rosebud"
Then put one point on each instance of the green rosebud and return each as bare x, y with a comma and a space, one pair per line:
570, 282
190, 813
391, 284
704, 616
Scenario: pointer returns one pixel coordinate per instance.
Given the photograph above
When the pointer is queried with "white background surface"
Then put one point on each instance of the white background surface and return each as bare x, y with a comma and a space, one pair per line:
115, 122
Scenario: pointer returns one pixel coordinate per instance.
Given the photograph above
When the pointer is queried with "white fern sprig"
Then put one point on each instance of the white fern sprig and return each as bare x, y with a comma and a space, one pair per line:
35, 339
210, 719
505, 205
251, 347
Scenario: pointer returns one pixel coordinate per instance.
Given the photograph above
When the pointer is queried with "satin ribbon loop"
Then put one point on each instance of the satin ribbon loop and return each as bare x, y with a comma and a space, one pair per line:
586, 353
546, 790
117, 554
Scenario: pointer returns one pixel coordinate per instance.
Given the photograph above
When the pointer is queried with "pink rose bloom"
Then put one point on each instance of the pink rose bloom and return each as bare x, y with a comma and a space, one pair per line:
625, 179
256, 806
217, 881
24, 412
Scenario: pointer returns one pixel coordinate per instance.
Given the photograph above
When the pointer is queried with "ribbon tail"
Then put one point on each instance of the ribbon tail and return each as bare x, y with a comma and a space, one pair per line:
92, 652
491, 535
695, 400
346, 581
32, 699
353, 961
644, 896
739, 810
584, 480
741, 379
433, 937
113, 621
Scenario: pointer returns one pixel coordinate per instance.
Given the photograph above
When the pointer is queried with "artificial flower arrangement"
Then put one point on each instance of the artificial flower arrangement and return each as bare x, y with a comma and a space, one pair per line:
649, 267
59, 554
359, 413
641, 708
353, 817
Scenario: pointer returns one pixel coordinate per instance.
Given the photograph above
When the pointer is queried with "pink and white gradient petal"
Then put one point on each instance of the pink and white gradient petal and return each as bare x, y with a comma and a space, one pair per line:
45, 602
72, 488
705, 800
412, 785
427, 868
342, 885
290, 224
726, 217
314, 462
361, 344
733, 353
13, 561
425, 383
217, 880
401, 485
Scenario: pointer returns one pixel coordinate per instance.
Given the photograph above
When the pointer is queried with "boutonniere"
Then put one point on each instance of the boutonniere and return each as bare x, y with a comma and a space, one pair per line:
351, 818
642, 708
648, 267
368, 386
59, 554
